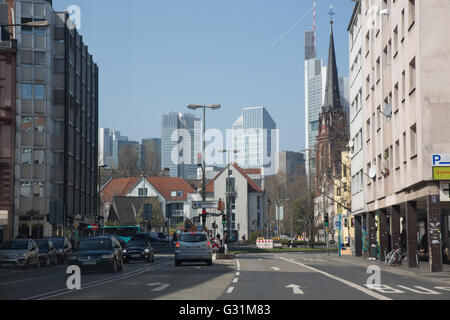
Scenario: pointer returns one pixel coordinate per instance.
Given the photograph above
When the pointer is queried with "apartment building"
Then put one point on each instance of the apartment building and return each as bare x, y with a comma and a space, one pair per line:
405, 116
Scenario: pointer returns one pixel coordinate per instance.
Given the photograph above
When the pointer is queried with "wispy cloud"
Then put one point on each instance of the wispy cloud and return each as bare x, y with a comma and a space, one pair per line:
295, 25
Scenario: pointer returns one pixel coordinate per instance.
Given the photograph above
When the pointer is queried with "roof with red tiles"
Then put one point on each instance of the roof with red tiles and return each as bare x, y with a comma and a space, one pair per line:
244, 172
166, 185
163, 185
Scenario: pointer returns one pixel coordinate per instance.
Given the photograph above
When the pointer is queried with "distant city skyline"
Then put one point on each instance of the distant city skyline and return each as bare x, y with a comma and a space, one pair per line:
226, 57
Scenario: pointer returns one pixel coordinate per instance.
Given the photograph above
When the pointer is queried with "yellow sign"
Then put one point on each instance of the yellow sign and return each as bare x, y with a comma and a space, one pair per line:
441, 173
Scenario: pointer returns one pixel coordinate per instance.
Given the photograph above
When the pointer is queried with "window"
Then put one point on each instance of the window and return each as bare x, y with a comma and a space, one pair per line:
413, 132
38, 190
26, 156
39, 123
25, 189
27, 125
27, 91
403, 86
39, 92
412, 76
397, 154
395, 41
412, 13
142, 192
395, 101
403, 25
404, 148
39, 58
38, 157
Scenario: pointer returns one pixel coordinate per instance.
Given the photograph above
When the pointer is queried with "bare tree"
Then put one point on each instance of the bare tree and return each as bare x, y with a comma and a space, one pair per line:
129, 160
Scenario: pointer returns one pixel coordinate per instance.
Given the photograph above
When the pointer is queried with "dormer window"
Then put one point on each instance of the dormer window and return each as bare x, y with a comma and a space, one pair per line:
142, 192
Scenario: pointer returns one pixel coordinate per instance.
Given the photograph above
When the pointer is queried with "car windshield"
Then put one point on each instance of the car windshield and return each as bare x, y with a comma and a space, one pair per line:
95, 244
43, 244
193, 237
14, 245
137, 243
58, 243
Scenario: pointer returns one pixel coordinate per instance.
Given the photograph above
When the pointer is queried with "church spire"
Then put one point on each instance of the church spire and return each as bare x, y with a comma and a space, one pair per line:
332, 95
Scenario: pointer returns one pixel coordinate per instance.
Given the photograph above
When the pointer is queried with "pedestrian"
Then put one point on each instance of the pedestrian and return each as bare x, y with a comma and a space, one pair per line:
424, 243
389, 246
403, 239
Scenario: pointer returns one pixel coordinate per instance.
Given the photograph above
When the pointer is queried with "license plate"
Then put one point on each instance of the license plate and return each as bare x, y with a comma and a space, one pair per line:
135, 255
89, 263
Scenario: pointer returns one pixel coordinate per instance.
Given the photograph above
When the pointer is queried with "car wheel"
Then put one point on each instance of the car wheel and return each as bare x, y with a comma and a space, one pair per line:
177, 263
209, 262
153, 258
47, 262
27, 265
121, 265
38, 263
114, 267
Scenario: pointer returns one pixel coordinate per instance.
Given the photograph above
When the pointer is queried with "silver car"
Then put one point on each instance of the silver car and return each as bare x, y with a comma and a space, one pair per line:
19, 253
193, 247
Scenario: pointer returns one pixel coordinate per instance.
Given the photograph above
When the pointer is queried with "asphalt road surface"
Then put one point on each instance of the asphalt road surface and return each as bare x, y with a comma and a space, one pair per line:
283, 276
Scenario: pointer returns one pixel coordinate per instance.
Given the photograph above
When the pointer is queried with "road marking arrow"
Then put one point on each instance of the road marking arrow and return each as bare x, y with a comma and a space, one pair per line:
275, 269
295, 288
161, 287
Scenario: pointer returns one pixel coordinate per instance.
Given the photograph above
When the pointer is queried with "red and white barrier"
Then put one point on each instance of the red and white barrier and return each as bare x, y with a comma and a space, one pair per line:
264, 244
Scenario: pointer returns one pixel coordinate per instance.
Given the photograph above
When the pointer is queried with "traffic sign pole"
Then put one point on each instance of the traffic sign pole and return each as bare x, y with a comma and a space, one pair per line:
340, 253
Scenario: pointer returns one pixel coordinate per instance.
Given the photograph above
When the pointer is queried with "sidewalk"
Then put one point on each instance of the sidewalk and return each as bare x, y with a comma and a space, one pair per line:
423, 272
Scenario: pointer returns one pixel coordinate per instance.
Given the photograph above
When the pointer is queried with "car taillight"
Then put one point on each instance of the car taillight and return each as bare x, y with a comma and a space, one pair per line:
178, 245
208, 244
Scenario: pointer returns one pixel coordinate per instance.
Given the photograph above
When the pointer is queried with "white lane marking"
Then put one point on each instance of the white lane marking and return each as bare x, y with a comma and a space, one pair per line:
238, 264
423, 290
275, 269
19, 281
443, 288
160, 286
296, 289
383, 288
235, 280
230, 290
348, 283
238, 274
64, 291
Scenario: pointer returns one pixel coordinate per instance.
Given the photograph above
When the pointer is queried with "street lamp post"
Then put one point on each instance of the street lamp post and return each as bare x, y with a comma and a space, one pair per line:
195, 107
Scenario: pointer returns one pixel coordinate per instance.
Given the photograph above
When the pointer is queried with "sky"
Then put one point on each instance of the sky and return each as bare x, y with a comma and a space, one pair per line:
160, 56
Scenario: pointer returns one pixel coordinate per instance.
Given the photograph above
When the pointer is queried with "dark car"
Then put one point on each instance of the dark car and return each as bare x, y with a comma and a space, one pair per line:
98, 253
121, 241
63, 249
47, 252
139, 248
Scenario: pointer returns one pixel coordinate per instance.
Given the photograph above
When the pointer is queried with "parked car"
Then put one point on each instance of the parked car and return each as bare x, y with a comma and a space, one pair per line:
20, 252
192, 247
47, 252
121, 241
102, 252
138, 249
63, 249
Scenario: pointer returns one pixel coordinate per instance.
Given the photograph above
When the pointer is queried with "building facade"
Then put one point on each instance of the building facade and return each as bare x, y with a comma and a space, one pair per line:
151, 155
181, 144
7, 126
405, 112
255, 138
292, 164
57, 123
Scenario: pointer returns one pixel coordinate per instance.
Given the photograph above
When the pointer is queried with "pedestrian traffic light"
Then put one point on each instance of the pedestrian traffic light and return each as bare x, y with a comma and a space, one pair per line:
224, 219
346, 223
326, 221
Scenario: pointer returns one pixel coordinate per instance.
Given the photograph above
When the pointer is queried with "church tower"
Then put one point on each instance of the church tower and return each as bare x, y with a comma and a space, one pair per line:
333, 129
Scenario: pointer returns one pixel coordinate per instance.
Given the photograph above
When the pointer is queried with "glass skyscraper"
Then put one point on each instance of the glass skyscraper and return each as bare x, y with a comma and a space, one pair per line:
181, 144
255, 140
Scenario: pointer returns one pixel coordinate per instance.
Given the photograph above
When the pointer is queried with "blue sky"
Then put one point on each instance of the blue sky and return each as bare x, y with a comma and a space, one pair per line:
160, 56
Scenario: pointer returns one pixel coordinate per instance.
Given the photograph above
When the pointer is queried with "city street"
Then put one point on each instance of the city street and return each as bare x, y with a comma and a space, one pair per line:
277, 276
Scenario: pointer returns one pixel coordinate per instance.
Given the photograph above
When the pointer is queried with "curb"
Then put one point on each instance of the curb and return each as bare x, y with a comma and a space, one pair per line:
401, 272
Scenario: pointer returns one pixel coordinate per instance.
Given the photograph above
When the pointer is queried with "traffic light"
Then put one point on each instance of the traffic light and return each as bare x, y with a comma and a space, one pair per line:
326, 221
204, 213
224, 219
346, 223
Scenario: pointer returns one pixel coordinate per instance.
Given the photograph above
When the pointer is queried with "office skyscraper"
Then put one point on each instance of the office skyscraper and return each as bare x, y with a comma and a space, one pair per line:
255, 138
180, 144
